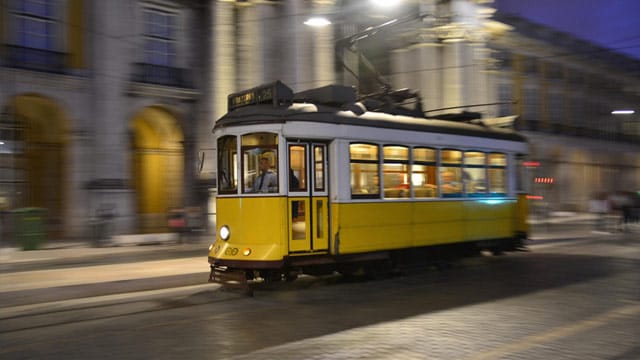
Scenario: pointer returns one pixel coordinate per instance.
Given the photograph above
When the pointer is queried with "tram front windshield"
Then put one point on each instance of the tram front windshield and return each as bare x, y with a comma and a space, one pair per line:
260, 163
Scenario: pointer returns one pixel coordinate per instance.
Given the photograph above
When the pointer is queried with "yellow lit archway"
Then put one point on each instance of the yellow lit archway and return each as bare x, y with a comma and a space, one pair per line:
157, 142
37, 135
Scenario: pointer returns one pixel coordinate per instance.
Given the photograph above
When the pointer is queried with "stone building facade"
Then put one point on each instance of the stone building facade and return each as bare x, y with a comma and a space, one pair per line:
107, 106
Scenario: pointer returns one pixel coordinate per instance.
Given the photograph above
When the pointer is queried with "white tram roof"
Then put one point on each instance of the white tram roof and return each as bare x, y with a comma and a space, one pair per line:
275, 103
308, 112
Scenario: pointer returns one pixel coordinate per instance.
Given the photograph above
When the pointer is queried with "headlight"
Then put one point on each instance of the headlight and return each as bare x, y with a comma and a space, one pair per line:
224, 232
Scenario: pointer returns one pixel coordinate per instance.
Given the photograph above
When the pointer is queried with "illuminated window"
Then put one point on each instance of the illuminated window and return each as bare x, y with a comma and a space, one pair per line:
423, 173
497, 174
450, 173
474, 173
396, 171
260, 163
227, 165
365, 181
297, 167
318, 163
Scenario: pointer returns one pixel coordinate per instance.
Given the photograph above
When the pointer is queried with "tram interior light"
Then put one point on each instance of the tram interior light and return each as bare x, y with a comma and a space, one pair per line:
623, 112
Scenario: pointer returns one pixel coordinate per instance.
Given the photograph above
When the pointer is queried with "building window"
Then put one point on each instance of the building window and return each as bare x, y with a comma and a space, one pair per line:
556, 108
35, 33
159, 37
531, 106
505, 97
36, 25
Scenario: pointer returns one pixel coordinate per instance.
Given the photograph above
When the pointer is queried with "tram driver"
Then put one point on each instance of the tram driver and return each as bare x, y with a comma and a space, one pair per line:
267, 181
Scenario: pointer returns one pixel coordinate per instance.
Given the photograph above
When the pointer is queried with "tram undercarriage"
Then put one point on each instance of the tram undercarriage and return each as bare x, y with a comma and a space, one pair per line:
377, 264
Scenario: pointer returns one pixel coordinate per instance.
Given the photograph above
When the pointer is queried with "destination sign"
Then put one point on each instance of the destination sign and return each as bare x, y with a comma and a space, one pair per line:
274, 93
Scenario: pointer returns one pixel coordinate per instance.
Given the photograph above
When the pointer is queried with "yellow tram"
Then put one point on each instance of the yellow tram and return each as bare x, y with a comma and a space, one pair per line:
316, 182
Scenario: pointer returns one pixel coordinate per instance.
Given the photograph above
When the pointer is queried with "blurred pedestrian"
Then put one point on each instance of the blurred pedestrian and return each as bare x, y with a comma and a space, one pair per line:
599, 206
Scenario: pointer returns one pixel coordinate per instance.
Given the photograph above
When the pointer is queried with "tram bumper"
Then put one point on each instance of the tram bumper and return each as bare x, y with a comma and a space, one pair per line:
230, 278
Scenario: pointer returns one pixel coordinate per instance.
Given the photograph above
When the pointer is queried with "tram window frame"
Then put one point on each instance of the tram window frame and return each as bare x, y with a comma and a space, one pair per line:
227, 165
252, 151
453, 167
471, 182
393, 189
498, 169
428, 187
298, 168
372, 163
319, 181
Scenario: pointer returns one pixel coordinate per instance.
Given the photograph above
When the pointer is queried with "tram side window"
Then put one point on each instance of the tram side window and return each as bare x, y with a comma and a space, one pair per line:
498, 174
318, 163
396, 171
423, 173
297, 170
474, 175
260, 163
365, 181
227, 165
451, 173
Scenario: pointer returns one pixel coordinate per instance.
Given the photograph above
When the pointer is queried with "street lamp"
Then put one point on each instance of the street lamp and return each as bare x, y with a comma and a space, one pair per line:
321, 21
317, 21
623, 112
386, 3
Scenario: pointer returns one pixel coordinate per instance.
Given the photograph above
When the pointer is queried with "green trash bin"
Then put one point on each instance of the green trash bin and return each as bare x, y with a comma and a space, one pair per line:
29, 227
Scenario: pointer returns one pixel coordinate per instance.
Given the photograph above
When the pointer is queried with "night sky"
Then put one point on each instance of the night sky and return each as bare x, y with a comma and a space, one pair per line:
614, 24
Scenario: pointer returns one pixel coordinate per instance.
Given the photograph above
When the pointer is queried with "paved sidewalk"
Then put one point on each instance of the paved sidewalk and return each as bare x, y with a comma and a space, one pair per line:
54, 254
68, 270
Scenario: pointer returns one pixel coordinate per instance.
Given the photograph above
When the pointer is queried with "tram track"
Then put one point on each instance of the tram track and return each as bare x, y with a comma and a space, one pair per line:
58, 313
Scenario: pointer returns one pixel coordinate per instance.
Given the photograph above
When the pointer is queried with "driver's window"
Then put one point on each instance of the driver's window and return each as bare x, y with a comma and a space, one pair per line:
260, 163
227, 165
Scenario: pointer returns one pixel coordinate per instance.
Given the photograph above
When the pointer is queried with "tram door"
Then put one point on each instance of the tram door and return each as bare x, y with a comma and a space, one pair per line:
308, 197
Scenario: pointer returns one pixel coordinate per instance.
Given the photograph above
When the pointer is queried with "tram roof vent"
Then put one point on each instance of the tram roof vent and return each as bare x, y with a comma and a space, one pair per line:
336, 95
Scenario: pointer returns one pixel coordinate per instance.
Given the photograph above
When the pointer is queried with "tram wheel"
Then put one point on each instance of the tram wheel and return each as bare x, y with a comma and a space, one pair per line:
290, 276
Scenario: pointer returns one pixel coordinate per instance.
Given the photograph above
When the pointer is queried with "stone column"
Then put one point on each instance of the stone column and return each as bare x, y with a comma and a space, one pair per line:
223, 52
250, 47
297, 66
323, 47
109, 186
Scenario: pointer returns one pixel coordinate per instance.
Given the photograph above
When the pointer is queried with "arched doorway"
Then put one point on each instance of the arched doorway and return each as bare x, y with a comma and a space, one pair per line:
34, 136
157, 169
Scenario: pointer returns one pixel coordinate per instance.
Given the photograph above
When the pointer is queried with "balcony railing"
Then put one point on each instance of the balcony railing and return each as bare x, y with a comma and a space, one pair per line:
22, 57
161, 75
